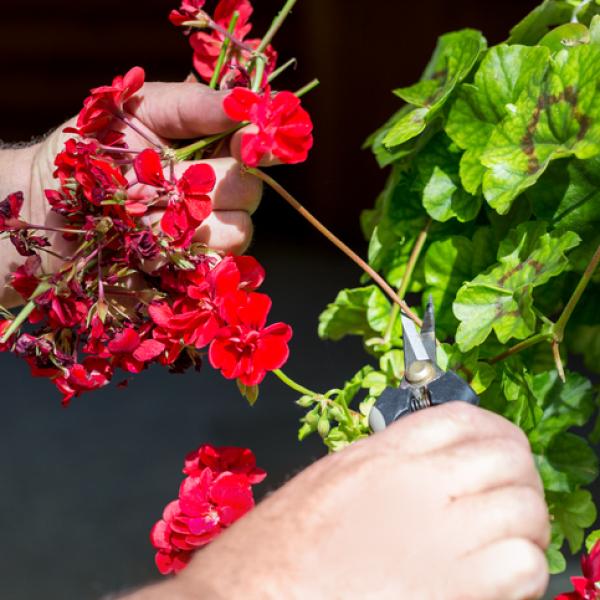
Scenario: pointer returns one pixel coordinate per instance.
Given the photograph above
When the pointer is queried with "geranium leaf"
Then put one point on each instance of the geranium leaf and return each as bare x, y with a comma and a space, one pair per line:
567, 463
540, 20
505, 74
501, 298
561, 120
572, 514
453, 59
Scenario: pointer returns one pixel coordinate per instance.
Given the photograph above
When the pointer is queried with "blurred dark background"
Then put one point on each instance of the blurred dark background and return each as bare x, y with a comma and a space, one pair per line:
81, 487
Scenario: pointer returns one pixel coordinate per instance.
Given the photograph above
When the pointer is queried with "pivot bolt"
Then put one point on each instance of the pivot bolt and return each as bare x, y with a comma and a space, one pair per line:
420, 372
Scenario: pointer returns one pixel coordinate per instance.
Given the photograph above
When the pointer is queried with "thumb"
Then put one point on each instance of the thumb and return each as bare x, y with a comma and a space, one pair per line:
181, 110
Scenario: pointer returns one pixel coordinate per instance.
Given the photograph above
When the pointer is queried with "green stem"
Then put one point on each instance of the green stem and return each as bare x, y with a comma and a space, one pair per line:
561, 324
381, 282
577, 10
259, 72
294, 385
25, 311
410, 268
309, 87
187, 151
276, 25
277, 72
528, 343
224, 50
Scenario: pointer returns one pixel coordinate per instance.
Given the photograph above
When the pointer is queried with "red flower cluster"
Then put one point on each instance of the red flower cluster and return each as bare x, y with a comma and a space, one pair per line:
207, 45
89, 321
284, 127
588, 586
217, 306
216, 492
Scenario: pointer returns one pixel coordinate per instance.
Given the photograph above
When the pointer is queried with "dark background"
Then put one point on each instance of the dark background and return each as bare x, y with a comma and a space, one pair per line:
81, 487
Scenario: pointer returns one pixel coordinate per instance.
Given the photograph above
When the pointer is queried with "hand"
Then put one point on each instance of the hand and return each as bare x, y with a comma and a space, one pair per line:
165, 112
446, 504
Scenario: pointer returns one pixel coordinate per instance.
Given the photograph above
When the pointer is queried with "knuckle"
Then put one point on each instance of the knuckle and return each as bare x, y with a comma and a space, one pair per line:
532, 513
530, 567
461, 414
244, 232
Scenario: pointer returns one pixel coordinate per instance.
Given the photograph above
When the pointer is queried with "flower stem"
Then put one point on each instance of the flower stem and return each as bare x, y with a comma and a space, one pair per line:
384, 285
42, 288
410, 268
561, 324
216, 76
125, 119
187, 151
277, 72
294, 385
259, 72
276, 25
309, 87
528, 343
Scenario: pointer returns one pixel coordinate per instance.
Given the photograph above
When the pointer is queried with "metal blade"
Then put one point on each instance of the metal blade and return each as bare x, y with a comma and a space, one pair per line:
413, 345
428, 331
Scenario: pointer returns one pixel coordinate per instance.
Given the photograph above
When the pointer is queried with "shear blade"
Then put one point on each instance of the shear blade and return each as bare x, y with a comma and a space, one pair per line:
414, 348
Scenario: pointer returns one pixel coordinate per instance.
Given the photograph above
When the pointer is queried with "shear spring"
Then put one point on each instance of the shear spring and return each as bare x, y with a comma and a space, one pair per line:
424, 401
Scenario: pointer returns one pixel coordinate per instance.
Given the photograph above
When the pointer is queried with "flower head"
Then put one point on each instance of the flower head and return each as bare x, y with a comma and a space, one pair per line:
284, 127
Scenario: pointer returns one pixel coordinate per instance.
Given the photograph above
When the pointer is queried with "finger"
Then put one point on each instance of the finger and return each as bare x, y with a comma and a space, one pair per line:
181, 110
226, 231
483, 465
511, 569
509, 512
443, 426
269, 160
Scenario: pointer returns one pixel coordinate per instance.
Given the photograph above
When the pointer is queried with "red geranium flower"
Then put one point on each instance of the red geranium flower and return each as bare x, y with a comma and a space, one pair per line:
246, 349
209, 501
106, 102
131, 353
207, 46
588, 586
284, 127
188, 200
91, 375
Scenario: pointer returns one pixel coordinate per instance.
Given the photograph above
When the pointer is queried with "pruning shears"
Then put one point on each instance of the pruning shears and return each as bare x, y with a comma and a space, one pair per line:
424, 383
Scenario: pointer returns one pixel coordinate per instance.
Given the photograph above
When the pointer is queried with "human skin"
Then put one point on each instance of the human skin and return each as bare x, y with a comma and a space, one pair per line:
446, 504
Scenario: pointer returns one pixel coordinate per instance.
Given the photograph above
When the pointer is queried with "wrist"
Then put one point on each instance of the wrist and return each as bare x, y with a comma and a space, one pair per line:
16, 166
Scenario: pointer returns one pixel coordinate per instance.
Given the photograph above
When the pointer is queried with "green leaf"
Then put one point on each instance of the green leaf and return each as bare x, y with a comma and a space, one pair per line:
354, 312
479, 375
562, 119
448, 264
443, 199
540, 20
591, 540
572, 514
564, 405
566, 36
556, 561
568, 196
505, 74
501, 298
567, 463
453, 59
521, 407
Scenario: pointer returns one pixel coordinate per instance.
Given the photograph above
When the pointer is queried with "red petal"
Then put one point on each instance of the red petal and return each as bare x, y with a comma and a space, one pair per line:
198, 180
239, 104
160, 535
161, 314
148, 168
148, 350
164, 563
125, 342
199, 208
133, 81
